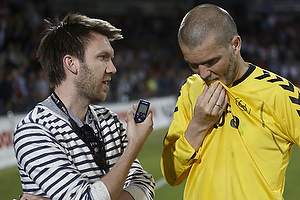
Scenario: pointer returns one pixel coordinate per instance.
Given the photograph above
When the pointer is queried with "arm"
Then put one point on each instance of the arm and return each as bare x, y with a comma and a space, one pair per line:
137, 135
139, 183
206, 113
287, 116
193, 119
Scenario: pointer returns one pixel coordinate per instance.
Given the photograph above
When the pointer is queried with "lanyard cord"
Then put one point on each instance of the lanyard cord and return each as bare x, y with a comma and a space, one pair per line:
74, 125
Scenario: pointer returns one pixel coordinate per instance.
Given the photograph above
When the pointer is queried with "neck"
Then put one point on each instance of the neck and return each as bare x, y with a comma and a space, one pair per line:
73, 102
243, 67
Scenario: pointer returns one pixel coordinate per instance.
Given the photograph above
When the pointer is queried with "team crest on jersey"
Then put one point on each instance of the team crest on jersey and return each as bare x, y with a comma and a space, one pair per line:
242, 105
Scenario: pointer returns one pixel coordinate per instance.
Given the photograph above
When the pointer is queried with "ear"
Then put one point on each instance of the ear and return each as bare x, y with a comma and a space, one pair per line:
71, 64
236, 43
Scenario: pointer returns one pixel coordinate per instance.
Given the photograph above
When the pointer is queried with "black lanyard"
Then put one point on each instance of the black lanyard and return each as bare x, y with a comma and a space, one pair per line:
74, 125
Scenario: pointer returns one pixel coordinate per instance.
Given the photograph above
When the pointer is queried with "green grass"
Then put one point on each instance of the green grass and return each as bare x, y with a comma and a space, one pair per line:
10, 186
150, 159
291, 191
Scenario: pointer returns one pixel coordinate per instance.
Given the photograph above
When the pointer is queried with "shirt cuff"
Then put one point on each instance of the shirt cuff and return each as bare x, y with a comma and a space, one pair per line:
136, 192
99, 191
185, 153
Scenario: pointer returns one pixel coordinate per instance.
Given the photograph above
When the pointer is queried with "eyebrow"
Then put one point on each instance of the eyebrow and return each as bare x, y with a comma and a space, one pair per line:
106, 53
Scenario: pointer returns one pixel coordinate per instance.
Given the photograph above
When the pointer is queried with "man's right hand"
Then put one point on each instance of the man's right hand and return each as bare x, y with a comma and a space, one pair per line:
209, 107
137, 133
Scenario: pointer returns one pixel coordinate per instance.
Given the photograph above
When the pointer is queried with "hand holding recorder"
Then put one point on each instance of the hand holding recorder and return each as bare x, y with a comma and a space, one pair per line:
141, 111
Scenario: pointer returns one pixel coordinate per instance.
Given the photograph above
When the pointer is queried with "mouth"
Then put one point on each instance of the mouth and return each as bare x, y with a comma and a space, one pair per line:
106, 81
106, 84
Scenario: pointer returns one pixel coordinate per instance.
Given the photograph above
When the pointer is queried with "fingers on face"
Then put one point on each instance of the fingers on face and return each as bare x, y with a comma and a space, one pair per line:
215, 95
218, 100
213, 99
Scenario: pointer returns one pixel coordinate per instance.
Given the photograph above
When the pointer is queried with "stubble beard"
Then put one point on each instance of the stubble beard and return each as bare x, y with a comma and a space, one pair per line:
87, 86
229, 75
231, 71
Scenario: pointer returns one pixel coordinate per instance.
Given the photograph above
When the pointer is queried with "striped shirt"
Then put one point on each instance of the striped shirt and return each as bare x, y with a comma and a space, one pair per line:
54, 162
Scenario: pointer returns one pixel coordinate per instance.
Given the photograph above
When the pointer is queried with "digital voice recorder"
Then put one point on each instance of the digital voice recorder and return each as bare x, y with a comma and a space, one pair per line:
141, 111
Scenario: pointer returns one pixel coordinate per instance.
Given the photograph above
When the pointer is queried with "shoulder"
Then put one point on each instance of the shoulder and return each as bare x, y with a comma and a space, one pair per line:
191, 89
276, 84
43, 119
275, 90
41, 123
38, 115
192, 80
193, 84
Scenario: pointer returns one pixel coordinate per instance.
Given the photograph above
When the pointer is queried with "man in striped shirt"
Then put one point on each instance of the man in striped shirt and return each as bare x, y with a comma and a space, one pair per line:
67, 147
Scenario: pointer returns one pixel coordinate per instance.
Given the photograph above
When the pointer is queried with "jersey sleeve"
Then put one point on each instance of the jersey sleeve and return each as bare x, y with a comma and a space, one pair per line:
178, 155
288, 112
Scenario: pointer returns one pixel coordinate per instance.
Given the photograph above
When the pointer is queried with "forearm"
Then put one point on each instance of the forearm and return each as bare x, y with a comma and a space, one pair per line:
139, 183
136, 135
115, 179
177, 158
195, 135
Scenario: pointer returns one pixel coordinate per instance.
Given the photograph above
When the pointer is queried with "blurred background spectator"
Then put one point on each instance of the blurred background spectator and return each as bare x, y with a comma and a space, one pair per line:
148, 60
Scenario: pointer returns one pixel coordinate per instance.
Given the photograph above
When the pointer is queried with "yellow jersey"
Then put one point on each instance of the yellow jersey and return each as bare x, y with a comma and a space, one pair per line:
245, 155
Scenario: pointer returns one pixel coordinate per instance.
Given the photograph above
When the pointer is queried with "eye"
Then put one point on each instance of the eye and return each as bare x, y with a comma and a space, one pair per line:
212, 62
104, 58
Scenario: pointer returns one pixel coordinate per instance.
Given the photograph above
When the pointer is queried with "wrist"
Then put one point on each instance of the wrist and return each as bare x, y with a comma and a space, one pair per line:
195, 134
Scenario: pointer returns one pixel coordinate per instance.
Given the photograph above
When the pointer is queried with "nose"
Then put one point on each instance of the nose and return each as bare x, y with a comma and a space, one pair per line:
111, 69
203, 71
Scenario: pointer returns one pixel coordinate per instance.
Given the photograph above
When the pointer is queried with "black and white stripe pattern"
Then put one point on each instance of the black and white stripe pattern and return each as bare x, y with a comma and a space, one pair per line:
54, 162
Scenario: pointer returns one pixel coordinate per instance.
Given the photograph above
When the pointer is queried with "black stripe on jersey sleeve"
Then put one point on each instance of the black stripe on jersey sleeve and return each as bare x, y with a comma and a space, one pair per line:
176, 109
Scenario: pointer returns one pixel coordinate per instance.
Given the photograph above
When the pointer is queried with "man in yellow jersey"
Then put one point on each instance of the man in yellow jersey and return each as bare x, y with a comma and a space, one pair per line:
234, 123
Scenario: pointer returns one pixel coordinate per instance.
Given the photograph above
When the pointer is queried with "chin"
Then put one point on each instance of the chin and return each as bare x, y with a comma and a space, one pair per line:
98, 99
102, 98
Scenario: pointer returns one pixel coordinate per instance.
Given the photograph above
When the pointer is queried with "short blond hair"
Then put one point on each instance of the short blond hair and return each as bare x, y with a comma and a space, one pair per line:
206, 20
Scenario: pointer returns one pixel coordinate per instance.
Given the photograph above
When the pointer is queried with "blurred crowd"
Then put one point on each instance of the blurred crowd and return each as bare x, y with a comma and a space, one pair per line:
148, 60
